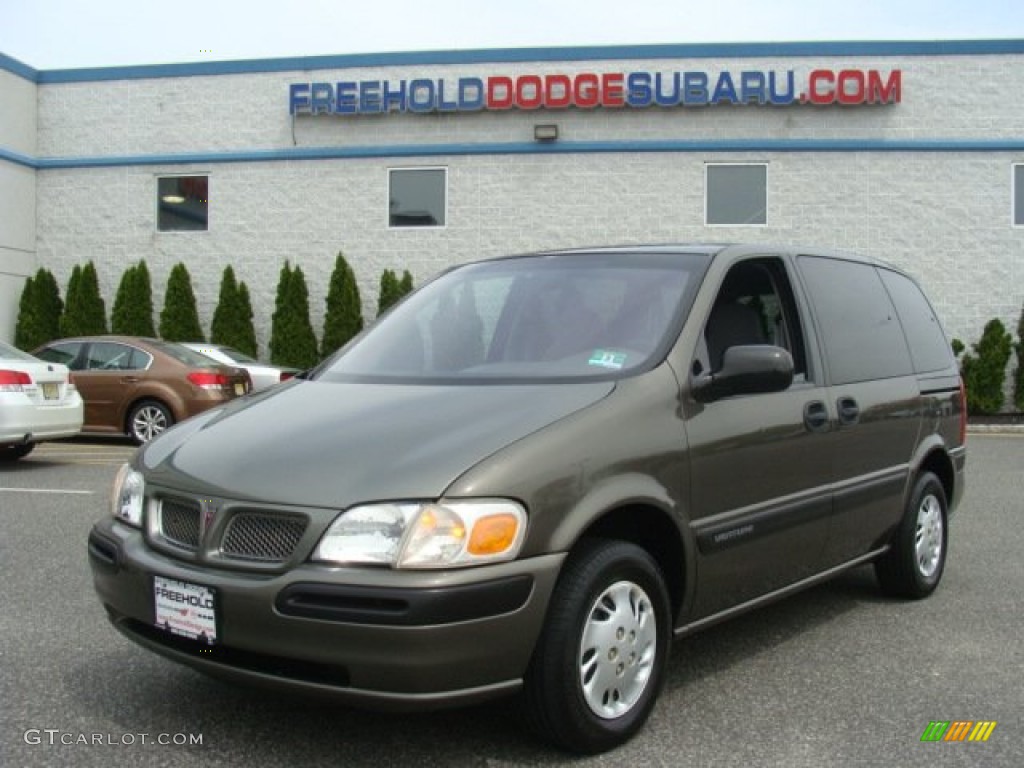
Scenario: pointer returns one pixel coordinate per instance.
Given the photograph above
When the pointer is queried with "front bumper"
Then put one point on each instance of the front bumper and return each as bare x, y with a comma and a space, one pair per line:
375, 637
959, 459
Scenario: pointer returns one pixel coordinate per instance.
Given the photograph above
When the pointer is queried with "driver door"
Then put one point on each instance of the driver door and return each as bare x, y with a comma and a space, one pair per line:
760, 464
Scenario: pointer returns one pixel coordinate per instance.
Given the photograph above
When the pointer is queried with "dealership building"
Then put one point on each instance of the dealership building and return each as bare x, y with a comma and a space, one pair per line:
909, 151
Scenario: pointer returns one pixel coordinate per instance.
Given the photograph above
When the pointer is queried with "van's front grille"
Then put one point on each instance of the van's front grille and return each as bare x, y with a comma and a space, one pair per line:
258, 536
262, 536
179, 522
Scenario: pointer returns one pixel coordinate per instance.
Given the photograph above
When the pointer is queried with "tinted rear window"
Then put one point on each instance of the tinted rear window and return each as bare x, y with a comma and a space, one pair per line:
184, 354
929, 349
60, 353
860, 329
7, 352
236, 356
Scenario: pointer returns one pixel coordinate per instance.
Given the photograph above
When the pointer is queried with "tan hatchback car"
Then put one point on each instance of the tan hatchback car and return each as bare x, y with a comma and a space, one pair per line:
139, 387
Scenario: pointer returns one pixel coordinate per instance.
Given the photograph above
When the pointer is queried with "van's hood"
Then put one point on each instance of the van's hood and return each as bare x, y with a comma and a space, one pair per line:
332, 444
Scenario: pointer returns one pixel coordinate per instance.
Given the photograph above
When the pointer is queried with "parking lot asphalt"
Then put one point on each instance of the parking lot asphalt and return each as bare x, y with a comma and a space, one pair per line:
835, 676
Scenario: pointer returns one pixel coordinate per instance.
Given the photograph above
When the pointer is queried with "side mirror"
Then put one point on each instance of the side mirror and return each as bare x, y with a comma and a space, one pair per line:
746, 370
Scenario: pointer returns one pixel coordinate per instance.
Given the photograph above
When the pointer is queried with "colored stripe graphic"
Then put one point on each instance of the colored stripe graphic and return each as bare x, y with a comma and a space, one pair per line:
958, 730
982, 730
935, 731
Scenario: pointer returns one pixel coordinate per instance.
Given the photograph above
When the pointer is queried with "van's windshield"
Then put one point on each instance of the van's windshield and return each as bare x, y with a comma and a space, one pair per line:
547, 317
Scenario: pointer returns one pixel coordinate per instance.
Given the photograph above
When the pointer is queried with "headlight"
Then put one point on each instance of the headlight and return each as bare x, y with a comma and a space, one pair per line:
126, 498
425, 534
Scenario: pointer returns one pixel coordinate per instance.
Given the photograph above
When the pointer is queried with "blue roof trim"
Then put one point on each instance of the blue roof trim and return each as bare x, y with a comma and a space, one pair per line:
18, 159
522, 55
523, 148
16, 67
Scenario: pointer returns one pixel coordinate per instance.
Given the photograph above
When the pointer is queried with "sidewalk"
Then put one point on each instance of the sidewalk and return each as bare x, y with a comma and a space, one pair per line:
1007, 424
995, 429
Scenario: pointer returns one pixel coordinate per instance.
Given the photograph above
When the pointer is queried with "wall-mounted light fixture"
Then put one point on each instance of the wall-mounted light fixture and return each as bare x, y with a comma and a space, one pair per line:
545, 132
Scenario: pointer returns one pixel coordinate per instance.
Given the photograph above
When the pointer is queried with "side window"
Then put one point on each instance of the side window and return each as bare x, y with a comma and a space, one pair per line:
417, 197
929, 349
60, 353
755, 305
140, 360
108, 356
861, 334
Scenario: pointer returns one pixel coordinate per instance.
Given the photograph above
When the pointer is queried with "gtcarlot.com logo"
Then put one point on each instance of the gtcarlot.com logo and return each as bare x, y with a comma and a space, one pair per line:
958, 730
54, 737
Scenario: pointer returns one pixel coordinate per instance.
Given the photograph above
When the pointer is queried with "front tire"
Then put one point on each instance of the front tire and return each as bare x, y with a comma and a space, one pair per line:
600, 662
147, 420
913, 566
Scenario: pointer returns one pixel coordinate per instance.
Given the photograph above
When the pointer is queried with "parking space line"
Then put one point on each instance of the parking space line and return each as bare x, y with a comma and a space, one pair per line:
81, 455
73, 452
84, 452
47, 490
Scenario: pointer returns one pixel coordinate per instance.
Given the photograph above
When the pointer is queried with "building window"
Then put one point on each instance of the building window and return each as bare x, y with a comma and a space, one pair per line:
182, 203
417, 197
1017, 195
736, 195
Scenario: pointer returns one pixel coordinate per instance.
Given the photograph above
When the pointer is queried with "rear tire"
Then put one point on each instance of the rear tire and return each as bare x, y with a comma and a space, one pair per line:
15, 452
148, 419
600, 662
913, 566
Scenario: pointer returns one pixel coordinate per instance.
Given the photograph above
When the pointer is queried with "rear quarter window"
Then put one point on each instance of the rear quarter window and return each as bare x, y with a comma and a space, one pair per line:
64, 354
860, 329
929, 349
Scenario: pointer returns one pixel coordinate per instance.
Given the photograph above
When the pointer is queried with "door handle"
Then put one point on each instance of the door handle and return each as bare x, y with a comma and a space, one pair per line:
849, 411
129, 379
816, 416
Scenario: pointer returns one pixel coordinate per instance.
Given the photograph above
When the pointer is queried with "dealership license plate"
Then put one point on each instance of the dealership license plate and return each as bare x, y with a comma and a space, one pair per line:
51, 391
239, 388
185, 609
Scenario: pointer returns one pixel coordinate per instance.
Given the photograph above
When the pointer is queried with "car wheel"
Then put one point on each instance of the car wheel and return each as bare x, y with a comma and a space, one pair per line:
599, 664
15, 452
147, 420
913, 566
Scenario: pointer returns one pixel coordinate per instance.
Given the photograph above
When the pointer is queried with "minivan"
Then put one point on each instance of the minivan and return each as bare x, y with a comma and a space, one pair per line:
536, 472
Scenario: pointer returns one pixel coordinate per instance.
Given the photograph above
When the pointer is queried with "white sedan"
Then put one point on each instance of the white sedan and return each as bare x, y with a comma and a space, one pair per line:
263, 375
38, 401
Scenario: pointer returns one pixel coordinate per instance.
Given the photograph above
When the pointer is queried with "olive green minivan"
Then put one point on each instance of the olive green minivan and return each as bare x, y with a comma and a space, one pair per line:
536, 472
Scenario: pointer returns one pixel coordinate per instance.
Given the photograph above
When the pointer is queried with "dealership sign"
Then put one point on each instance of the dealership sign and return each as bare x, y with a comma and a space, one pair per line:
590, 90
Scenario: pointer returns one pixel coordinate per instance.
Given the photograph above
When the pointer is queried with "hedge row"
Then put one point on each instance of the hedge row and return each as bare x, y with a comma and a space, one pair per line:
984, 369
43, 316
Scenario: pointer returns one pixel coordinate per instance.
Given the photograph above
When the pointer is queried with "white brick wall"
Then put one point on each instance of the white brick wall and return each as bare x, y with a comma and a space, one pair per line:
931, 213
17, 195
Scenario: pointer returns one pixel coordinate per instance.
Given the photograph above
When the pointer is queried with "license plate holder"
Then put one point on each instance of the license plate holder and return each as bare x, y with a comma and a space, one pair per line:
239, 388
51, 391
185, 609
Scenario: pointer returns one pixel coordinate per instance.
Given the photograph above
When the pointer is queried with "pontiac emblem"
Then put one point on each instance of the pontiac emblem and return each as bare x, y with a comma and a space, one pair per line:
208, 509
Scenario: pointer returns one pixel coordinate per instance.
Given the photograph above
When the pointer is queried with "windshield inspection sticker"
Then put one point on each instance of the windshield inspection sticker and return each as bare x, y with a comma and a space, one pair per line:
606, 359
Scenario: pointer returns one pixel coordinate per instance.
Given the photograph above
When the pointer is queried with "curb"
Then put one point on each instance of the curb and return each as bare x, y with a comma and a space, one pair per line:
995, 429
